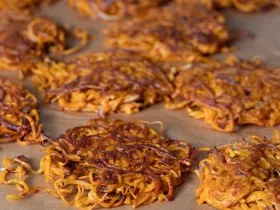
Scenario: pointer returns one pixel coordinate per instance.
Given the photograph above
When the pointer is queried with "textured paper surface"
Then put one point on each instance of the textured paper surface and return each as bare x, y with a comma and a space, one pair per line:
266, 28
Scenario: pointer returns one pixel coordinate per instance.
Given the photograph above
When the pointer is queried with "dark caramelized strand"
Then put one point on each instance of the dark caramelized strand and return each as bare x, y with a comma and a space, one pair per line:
229, 94
242, 176
23, 42
180, 33
242, 5
113, 81
113, 9
108, 164
19, 120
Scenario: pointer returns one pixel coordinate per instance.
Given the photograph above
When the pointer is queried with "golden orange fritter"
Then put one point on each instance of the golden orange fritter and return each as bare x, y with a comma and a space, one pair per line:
107, 164
242, 5
113, 9
19, 120
242, 176
229, 94
21, 5
23, 42
113, 81
179, 33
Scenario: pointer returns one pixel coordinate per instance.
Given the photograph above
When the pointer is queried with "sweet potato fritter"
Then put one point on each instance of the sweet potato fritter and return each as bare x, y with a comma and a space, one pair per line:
21, 5
23, 42
179, 33
113, 81
19, 120
229, 94
242, 176
107, 164
113, 9
242, 5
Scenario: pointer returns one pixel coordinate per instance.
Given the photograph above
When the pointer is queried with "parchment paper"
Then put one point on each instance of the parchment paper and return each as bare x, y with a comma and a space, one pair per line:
266, 28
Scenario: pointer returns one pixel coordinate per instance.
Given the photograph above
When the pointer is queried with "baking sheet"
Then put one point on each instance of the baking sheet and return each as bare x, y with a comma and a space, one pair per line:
266, 28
